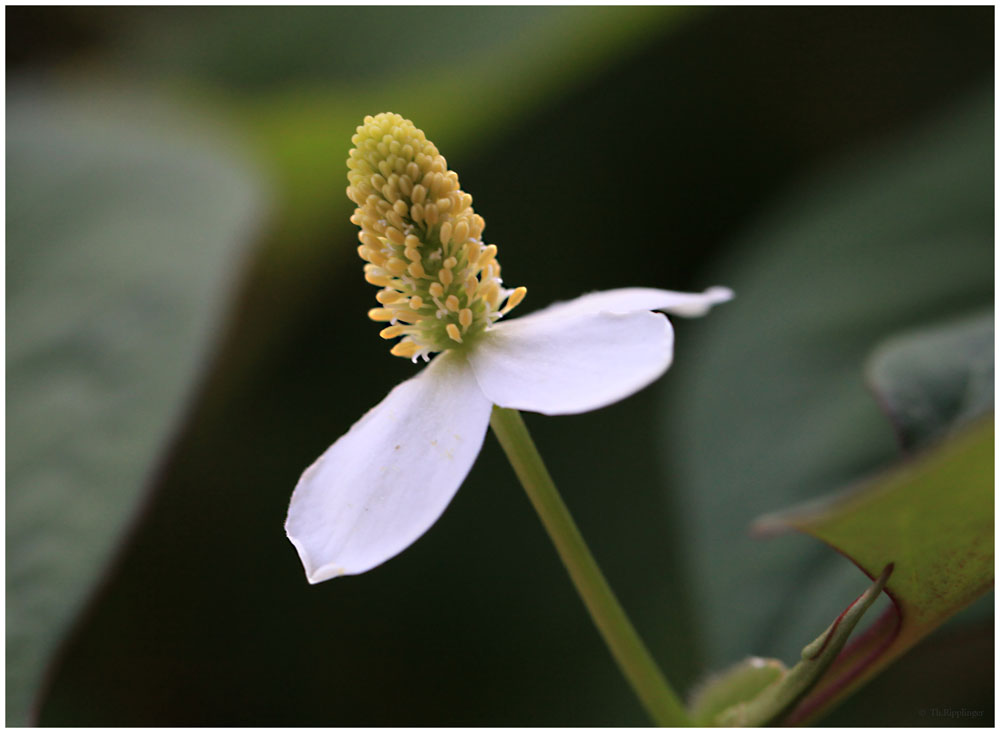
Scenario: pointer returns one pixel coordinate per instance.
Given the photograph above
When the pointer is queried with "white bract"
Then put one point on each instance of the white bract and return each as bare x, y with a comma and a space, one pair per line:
383, 484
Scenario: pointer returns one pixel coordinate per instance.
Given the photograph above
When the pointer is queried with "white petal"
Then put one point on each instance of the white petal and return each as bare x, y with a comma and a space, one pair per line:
385, 482
629, 300
560, 363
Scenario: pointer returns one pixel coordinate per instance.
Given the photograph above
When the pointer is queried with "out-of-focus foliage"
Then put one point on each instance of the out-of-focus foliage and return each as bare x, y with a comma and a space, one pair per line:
935, 380
605, 147
932, 518
123, 234
777, 411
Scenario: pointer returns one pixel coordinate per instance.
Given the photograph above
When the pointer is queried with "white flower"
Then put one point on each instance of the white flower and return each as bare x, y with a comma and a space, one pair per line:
382, 485
385, 482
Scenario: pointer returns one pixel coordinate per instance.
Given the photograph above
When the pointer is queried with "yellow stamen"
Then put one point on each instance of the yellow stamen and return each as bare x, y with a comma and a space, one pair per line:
471, 284
379, 280
395, 265
513, 299
422, 241
477, 226
388, 296
391, 332
491, 293
406, 316
394, 235
487, 255
405, 349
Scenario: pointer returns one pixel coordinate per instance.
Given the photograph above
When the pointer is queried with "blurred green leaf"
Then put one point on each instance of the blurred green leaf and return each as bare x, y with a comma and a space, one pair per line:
123, 231
936, 379
767, 407
933, 518
260, 48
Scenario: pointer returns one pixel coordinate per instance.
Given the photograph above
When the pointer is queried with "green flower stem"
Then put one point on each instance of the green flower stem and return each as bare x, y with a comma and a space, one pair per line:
634, 660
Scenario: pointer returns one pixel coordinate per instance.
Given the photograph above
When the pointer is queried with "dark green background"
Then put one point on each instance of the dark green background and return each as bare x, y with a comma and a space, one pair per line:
649, 169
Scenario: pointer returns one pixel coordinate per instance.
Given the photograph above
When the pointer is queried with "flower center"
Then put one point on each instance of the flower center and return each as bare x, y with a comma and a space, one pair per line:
422, 241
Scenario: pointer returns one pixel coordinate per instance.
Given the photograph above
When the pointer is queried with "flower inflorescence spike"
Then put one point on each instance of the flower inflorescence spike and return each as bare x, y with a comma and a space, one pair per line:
422, 241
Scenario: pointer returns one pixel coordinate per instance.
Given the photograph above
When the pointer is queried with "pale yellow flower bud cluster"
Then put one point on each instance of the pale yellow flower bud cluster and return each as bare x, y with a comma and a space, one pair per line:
422, 241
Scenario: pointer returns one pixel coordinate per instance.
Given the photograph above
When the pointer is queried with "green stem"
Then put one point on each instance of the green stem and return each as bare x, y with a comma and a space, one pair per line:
634, 660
